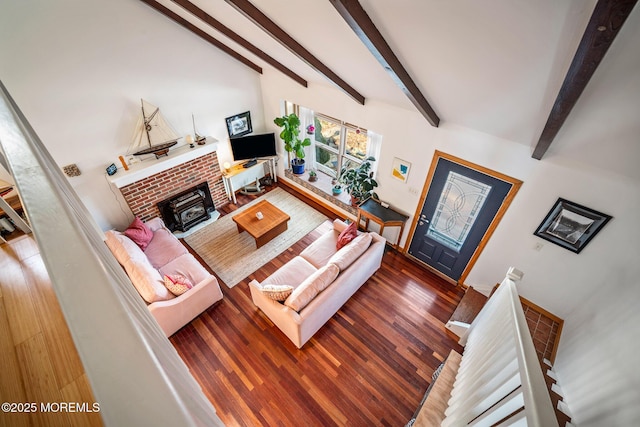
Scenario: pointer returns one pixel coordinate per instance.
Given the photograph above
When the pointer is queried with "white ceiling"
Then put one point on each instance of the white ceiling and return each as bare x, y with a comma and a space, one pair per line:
494, 66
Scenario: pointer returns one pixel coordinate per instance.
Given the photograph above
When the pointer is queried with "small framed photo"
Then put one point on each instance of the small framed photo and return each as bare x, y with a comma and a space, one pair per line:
239, 125
400, 169
571, 225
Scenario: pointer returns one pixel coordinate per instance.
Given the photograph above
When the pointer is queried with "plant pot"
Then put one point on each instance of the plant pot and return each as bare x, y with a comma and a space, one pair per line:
336, 190
355, 201
297, 166
313, 178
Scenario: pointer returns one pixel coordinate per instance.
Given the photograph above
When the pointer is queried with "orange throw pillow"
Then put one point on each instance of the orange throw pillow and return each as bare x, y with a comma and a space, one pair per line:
347, 235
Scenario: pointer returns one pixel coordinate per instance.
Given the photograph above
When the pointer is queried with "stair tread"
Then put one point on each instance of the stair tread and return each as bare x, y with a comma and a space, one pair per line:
469, 306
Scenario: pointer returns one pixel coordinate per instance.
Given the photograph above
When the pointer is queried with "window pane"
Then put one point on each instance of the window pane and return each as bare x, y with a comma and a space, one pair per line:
458, 208
348, 163
357, 144
327, 132
327, 159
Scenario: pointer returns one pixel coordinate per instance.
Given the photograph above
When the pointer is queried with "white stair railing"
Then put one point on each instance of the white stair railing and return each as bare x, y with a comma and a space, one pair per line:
136, 375
500, 381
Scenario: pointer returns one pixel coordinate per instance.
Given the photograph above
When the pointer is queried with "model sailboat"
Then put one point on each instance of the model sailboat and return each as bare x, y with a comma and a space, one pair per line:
153, 133
201, 140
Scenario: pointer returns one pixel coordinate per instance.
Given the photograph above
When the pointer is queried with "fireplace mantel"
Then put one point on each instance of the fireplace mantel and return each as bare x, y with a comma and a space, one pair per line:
149, 167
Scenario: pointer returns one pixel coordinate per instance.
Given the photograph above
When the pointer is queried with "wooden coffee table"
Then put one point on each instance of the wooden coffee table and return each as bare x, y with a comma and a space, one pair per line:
274, 222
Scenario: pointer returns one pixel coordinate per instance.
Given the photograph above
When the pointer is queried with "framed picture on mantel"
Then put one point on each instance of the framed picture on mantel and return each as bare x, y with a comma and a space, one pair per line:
571, 225
239, 125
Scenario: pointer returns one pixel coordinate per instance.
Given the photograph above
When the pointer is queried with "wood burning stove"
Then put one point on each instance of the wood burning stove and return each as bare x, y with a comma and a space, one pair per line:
189, 210
183, 211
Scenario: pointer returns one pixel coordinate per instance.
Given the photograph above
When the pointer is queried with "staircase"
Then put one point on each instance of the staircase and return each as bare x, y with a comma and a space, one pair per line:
467, 310
555, 392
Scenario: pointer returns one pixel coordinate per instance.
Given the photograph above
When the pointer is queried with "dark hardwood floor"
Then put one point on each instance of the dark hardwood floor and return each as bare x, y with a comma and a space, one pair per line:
369, 365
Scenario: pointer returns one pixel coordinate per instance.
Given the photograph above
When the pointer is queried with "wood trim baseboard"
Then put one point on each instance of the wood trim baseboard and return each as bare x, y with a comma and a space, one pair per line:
303, 193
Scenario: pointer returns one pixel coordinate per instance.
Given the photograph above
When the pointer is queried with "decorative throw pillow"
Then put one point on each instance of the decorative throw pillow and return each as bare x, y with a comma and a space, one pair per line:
177, 284
139, 233
348, 254
277, 292
312, 286
347, 235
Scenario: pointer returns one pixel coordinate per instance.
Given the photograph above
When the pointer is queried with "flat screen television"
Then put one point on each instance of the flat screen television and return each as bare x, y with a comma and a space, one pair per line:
252, 147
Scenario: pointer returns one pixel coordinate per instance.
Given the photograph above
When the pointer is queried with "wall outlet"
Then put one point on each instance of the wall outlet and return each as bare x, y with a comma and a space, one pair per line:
413, 190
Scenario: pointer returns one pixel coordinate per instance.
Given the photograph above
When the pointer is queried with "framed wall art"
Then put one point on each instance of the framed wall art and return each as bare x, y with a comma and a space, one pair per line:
571, 225
239, 125
400, 169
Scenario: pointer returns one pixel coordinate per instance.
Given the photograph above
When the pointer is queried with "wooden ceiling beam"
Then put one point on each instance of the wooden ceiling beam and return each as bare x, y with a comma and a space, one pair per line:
197, 31
219, 26
366, 30
261, 20
603, 27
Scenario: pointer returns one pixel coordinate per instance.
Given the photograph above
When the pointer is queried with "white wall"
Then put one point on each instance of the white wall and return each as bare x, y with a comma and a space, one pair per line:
78, 68
594, 292
555, 278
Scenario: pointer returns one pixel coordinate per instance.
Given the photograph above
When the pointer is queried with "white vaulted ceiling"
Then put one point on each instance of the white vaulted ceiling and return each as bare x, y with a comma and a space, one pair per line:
494, 66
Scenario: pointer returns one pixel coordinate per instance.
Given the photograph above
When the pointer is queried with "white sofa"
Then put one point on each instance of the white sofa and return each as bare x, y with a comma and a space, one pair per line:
300, 326
165, 255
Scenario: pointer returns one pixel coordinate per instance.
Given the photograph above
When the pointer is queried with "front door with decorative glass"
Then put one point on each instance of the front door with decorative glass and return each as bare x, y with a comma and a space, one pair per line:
461, 208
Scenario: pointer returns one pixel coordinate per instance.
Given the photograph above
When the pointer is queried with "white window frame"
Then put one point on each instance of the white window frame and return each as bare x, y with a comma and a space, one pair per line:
342, 147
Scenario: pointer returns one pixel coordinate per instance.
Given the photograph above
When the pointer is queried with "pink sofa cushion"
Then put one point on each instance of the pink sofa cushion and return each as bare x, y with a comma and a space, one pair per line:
297, 270
164, 248
319, 252
312, 286
351, 252
186, 265
139, 233
147, 281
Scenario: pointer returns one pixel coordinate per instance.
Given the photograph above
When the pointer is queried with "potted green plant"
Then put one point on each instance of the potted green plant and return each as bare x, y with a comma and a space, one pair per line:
336, 189
359, 182
313, 175
292, 143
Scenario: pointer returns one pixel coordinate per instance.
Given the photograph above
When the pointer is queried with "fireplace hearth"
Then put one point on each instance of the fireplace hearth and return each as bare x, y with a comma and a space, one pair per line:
188, 208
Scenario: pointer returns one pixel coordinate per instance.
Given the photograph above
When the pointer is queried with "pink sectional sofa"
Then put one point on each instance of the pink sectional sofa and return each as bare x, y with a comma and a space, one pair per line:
333, 276
165, 255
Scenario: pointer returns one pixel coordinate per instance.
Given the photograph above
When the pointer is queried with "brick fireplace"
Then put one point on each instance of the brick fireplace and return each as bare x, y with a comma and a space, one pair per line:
162, 180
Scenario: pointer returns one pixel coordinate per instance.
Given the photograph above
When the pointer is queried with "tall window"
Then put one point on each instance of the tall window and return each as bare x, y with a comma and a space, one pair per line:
338, 144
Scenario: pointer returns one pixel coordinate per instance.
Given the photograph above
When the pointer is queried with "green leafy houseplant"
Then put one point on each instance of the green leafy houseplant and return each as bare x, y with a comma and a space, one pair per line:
359, 182
292, 143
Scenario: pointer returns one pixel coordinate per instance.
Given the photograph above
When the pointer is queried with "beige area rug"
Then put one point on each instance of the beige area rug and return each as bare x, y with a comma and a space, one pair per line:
233, 256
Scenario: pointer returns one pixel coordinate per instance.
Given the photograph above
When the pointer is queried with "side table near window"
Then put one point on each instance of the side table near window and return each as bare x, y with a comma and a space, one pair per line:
372, 210
241, 172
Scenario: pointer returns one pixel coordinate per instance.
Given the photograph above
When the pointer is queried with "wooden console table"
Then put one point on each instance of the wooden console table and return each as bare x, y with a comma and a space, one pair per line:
237, 169
372, 210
